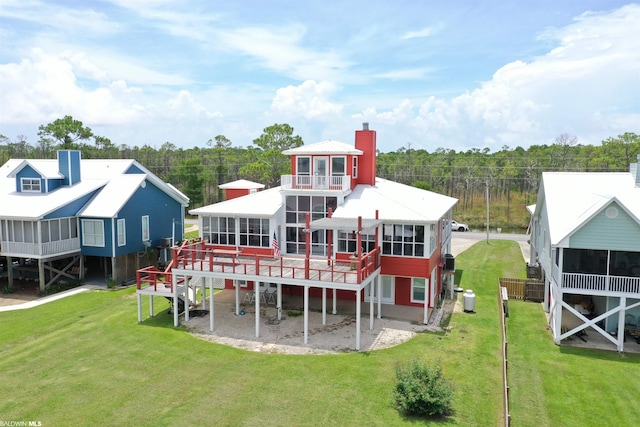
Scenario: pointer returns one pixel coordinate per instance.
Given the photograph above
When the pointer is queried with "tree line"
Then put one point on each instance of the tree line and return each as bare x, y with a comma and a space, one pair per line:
509, 176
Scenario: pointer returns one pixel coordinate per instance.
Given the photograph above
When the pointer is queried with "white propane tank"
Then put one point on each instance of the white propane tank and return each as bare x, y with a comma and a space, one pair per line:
469, 301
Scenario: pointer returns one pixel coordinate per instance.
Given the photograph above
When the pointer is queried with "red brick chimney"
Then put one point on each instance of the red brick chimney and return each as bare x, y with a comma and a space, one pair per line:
366, 142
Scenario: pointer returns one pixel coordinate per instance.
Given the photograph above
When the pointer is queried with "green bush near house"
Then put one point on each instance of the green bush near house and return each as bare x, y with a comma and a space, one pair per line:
422, 390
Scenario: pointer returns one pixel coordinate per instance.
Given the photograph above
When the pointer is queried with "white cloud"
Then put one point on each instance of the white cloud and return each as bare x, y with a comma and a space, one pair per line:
279, 49
70, 20
587, 85
405, 74
184, 106
45, 87
309, 100
423, 32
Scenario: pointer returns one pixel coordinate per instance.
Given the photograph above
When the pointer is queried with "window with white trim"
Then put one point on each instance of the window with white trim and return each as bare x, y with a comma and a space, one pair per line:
418, 289
338, 166
30, 185
348, 242
242, 283
296, 209
122, 235
93, 232
145, 228
219, 230
303, 165
354, 167
403, 240
254, 232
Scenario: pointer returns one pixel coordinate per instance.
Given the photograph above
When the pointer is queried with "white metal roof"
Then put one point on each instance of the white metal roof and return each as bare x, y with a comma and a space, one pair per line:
46, 168
261, 204
324, 147
95, 174
241, 184
572, 198
108, 202
395, 202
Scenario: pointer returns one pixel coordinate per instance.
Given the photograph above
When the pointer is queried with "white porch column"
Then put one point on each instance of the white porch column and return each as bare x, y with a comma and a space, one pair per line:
358, 304
256, 288
203, 290
211, 317
187, 300
306, 314
335, 309
175, 309
139, 308
150, 305
621, 315
557, 327
41, 274
371, 306
174, 283
547, 290
379, 284
324, 306
279, 299
237, 285
425, 315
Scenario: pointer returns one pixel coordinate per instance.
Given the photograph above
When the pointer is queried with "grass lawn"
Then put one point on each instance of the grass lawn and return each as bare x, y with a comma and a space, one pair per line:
84, 360
566, 386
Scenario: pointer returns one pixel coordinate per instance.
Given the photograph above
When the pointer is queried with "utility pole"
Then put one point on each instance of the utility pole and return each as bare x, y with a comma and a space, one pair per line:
487, 196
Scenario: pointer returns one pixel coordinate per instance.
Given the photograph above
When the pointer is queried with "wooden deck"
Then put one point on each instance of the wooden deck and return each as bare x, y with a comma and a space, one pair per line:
276, 268
200, 259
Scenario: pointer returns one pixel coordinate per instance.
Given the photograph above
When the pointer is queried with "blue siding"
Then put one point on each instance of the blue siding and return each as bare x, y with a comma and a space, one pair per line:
71, 208
52, 184
28, 172
69, 166
134, 170
162, 210
95, 251
621, 233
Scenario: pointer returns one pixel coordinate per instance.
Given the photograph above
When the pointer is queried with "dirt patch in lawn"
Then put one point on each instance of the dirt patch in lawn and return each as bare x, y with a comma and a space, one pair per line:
336, 335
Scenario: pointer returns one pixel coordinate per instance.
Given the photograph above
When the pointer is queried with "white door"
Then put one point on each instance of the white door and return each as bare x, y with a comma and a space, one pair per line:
320, 172
388, 290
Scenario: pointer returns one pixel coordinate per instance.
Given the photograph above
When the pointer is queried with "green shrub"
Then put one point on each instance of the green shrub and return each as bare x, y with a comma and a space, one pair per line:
422, 390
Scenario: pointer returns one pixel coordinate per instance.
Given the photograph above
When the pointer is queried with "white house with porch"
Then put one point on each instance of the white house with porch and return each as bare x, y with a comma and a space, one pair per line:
585, 239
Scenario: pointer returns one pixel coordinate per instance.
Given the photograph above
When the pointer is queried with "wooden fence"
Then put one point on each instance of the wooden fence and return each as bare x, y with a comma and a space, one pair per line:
523, 289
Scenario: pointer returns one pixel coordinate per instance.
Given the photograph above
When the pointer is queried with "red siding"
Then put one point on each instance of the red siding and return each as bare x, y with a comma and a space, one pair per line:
366, 141
232, 193
408, 267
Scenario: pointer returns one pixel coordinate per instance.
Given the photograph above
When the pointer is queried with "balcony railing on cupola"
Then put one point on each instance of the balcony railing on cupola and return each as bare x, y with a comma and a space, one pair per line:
340, 183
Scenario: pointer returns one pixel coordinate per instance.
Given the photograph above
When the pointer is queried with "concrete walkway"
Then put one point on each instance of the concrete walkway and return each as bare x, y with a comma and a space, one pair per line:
44, 300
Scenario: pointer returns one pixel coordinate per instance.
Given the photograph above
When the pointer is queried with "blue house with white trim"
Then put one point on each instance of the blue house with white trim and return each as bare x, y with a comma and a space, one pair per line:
66, 217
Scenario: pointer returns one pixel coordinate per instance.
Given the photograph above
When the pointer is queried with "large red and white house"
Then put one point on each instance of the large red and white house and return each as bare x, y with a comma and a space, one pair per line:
331, 230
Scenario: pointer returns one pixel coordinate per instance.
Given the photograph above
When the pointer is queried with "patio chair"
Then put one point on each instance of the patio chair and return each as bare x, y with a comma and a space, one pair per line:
630, 323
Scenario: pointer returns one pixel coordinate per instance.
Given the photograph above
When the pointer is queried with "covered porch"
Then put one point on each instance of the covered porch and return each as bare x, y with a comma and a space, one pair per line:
186, 283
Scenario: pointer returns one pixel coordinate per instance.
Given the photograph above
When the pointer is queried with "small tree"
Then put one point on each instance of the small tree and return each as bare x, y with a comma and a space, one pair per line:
422, 390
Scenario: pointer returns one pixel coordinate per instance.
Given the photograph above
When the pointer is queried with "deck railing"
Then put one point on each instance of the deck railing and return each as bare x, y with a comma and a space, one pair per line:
40, 249
199, 256
601, 283
316, 182
152, 276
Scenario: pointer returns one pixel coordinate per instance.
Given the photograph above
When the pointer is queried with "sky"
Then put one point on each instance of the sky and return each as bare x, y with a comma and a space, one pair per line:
425, 74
